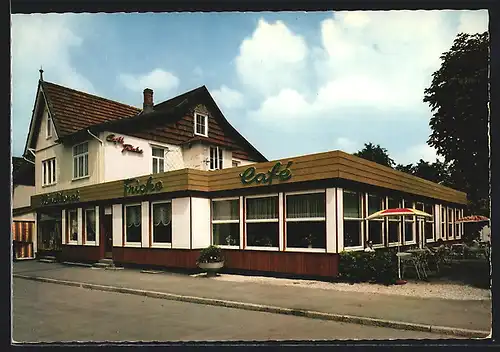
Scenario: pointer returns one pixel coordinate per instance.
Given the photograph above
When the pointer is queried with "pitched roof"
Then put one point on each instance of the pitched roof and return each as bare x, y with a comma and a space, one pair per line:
23, 172
72, 110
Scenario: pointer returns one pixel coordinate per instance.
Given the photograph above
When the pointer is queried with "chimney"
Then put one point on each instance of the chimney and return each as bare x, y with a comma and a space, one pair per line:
147, 105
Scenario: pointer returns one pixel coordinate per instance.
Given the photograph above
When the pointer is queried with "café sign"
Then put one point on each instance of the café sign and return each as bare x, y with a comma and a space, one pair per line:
132, 187
126, 147
60, 198
250, 176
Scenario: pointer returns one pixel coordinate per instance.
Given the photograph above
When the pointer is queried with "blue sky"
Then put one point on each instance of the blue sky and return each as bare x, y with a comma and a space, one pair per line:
293, 83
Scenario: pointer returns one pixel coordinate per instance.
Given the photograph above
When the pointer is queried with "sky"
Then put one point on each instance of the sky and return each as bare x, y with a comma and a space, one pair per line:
292, 83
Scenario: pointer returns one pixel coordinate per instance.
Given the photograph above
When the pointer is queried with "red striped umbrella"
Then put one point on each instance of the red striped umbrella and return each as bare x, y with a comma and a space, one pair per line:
473, 218
399, 212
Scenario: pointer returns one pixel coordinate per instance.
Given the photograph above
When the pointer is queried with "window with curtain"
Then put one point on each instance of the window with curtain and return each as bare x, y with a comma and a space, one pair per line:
305, 220
353, 219
451, 223
73, 225
226, 222
133, 223
262, 222
393, 222
376, 226
162, 223
409, 222
90, 225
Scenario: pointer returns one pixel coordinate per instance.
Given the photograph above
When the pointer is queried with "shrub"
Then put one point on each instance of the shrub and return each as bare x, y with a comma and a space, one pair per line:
211, 254
379, 266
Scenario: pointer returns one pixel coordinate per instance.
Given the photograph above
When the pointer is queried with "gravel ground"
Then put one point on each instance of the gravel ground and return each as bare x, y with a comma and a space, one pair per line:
445, 290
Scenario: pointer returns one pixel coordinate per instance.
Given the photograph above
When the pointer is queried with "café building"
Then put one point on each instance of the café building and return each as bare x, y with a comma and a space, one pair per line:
153, 186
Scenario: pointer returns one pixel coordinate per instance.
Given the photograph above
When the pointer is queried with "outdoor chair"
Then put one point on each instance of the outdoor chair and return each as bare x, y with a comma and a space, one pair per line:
409, 261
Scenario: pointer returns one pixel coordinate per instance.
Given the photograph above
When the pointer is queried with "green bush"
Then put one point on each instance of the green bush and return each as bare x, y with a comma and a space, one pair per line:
380, 266
211, 254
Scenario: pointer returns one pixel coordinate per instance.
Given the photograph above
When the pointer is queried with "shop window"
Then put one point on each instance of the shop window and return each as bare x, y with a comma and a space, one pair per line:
201, 124
226, 222
81, 160
409, 223
133, 224
429, 223
376, 226
162, 223
73, 226
158, 160
353, 219
451, 222
262, 222
305, 220
393, 222
49, 172
216, 158
90, 225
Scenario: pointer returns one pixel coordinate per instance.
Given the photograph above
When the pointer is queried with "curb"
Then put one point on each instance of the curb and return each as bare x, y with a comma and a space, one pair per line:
444, 330
77, 264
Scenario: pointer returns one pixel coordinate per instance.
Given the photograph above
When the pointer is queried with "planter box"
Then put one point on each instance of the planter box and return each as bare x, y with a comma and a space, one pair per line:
211, 268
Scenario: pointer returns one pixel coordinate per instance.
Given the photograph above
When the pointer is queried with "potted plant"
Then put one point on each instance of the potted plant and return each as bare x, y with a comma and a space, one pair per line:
309, 239
211, 260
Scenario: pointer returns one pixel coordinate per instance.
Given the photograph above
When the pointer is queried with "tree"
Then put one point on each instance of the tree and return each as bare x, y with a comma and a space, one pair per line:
405, 168
458, 97
376, 154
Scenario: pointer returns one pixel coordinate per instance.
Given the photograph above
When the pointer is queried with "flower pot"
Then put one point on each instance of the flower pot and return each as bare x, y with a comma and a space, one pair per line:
310, 246
211, 268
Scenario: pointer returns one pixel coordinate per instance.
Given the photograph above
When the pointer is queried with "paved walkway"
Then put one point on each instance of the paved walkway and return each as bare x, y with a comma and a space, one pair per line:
474, 315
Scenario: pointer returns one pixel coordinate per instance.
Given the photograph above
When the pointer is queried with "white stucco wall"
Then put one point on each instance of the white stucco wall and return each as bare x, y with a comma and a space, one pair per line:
331, 221
201, 222
145, 224
64, 167
42, 141
21, 196
119, 165
194, 157
117, 225
181, 223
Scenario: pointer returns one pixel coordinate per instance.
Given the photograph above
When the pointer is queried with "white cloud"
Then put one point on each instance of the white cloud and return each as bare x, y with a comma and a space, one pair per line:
414, 153
271, 58
158, 80
198, 72
346, 145
43, 40
378, 60
228, 98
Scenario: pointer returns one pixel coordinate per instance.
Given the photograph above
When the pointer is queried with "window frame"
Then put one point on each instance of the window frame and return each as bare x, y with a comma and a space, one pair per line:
360, 220
219, 161
225, 221
444, 223
68, 225
151, 221
47, 164
125, 242
255, 221
457, 226
84, 226
84, 156
367, 222
205, 124
450, 221
399, 221
432, 222
413, 221
286, 220
157, 159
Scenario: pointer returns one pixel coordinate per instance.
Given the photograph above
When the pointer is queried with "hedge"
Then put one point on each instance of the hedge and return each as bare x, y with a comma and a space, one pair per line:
379, 267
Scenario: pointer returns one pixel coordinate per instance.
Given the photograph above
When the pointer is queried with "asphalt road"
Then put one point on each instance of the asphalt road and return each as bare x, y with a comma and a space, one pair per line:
45, 312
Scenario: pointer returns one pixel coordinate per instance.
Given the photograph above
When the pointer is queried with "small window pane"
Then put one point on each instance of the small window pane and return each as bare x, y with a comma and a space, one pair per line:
263, 234
352, 233
262, 208
155, 166
162, 223
352, 205
133, 223
73, 226
305, 206
375, 233
158, 152
90, 225
374, 204
394, 228
162, 165
409, 231
310, 234
226, 234
226, 210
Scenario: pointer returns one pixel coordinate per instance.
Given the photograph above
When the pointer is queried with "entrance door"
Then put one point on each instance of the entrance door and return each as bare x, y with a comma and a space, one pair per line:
107, 226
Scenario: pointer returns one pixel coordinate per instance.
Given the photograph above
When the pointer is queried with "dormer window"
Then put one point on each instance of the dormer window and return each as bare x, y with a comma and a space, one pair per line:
49, 126
201, 124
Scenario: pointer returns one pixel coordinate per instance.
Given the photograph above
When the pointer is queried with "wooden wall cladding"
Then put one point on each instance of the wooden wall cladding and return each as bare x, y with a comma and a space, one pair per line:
308, 168
83, 253
310, 264
170, 258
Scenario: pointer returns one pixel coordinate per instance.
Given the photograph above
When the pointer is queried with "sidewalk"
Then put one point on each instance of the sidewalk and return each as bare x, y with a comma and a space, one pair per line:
474, 315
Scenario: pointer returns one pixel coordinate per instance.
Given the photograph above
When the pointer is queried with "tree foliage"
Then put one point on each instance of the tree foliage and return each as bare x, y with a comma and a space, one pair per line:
458, 97
376, 154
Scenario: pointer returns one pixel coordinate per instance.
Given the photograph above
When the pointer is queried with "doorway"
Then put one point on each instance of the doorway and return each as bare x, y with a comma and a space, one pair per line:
107, 227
